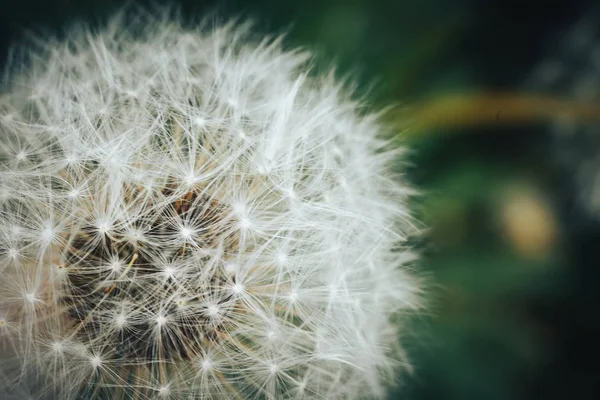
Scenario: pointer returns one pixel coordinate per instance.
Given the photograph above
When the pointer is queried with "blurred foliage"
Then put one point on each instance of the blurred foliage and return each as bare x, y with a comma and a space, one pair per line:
504, 250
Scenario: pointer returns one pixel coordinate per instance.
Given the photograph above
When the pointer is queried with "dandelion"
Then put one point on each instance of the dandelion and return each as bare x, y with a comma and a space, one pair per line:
573, 69
191, 214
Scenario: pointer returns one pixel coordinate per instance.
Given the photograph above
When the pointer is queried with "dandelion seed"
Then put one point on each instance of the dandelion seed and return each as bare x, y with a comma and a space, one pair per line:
273, 369
104, 226
116, 265
230, 268
206, 365
120, 320
282, 258
95, 361
48, 234
30, 298
161, 320
237, 288
213, 311
190, 179
186, 233
245, 223
164, 391
293, 297
58, 347
169, 271
13, 254
71, 159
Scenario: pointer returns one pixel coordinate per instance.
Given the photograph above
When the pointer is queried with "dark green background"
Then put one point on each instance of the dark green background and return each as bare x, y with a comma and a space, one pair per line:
504, 323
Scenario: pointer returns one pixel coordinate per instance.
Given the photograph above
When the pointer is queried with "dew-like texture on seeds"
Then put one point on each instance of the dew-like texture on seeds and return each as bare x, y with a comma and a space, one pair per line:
190, 214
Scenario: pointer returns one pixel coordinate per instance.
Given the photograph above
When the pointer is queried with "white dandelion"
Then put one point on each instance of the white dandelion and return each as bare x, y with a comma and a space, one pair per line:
572, 68
191, 214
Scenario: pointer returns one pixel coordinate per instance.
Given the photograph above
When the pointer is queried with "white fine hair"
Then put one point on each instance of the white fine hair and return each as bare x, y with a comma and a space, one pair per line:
193, 214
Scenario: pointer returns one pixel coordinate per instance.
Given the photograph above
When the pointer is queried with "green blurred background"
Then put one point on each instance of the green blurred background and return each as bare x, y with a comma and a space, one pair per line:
510, 255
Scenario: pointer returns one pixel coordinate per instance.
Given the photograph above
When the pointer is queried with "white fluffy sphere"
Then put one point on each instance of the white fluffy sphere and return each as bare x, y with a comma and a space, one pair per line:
190, 214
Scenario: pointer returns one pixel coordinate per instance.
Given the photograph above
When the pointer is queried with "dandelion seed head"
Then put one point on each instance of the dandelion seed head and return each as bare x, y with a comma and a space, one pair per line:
199, 212
573, 70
